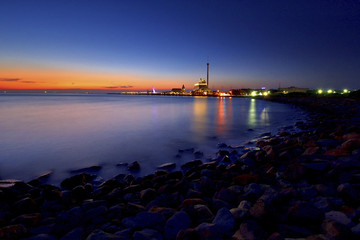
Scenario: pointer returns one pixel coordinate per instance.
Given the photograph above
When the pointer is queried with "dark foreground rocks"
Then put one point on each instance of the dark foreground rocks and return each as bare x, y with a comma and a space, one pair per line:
302, 185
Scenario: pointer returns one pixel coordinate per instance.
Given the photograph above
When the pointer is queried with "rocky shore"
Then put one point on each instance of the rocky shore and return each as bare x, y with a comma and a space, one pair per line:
303, 185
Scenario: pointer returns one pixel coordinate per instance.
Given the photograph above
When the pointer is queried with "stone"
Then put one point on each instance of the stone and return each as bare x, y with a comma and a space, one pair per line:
303, 213
356, 230
100, 235
42, 237
192, 202
145, 220
77, 233
29, 220
13, 232
208, 231
134, 166
249, 230
68, 220
240, 214
339, 217
347, 193
203, 213
26, 205
191, 164
167, 166
79, 179
147, 234
147, 195
336, 230
224, 220
179, 221
226, 195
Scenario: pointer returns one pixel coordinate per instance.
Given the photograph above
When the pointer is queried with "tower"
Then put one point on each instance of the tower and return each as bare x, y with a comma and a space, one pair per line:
207, 76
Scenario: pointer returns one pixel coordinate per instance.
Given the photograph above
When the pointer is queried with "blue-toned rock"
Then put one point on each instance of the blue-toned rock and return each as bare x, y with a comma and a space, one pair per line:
147, 234
100, 235
42, 237
179, 221
225, 220
209, 231
77, 233
145, 220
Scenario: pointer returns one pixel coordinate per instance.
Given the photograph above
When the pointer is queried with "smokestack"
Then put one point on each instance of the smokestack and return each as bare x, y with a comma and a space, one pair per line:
207, 76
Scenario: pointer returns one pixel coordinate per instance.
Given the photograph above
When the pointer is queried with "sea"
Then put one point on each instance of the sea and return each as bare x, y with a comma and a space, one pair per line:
62, 133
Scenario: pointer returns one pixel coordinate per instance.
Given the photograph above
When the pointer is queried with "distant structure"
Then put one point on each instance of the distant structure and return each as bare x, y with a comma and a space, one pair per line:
202, 87
293, 89
178, 90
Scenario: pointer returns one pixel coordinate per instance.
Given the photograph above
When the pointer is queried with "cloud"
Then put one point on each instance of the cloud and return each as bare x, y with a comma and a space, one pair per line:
28, 82
111, 87
9, 79
126, 86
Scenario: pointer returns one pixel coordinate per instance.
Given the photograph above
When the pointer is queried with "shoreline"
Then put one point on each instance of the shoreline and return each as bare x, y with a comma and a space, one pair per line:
291, 185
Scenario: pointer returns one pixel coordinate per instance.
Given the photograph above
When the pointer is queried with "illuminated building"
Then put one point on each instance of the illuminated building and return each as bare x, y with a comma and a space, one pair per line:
178, 90
202, 87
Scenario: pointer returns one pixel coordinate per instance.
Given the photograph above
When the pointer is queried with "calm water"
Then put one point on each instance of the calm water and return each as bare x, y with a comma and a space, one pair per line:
66, 132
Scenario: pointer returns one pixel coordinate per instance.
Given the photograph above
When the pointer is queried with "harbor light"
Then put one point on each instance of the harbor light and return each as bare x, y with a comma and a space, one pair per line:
253, 93
320, 91
346, 91
329, 91
265, 93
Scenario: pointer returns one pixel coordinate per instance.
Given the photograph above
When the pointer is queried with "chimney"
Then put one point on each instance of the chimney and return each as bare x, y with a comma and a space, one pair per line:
207, 76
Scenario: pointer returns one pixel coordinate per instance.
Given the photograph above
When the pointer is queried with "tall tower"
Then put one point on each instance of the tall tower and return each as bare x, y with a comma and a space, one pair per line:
207, 76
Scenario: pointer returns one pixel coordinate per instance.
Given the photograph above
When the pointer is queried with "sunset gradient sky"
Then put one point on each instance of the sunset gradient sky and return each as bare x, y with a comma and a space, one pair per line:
137, 45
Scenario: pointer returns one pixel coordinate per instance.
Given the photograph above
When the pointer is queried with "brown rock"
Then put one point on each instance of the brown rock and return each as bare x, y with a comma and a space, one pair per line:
192, 202
336, 230
12, 232
337, 152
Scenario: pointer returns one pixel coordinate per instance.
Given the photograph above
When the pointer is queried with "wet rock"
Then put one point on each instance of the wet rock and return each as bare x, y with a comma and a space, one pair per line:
339, 217
192, 202
203, 213
134, 166
79, 179
252, 191
347, 193
147, 234
224, 220
100, 235
43, 236
208, 231
26, 205
226, 195
249, 230
336, 230
28, 220
179, 221
77, 233
167, 166
13, 232
145, 220
192, 164
303, 213
292, 231
68, 220
147, 195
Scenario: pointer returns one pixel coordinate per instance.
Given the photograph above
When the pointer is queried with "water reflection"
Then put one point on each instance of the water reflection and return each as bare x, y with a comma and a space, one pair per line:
252, 113
264, 116
224, 115
200, 121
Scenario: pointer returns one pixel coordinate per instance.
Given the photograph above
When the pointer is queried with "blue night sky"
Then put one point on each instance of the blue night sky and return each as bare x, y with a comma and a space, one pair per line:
165, 44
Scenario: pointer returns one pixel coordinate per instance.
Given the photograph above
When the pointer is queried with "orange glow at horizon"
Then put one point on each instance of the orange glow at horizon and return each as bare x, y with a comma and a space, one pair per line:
28, 79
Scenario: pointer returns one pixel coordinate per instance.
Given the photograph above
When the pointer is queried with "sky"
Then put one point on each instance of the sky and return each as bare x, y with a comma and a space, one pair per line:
132, 45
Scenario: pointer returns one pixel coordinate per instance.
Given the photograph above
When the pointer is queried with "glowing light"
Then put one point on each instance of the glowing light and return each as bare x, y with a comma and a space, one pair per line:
224, 94
320, 91
154, 90
265, 93
346, 91
329, 91
253, 93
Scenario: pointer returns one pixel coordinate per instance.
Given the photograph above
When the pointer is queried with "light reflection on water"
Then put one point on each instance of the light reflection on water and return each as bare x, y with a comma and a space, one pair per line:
65, 132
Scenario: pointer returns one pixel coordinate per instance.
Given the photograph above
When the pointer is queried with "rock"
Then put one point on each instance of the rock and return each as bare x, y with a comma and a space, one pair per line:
356, 230
246, 205
347, 193
336, 230
208, 231
252, 191
80, 179
147, 195
147, 234
77, 233
29, 220
203, 213
42, 237
249, 230
167, 166
240, 214
339, 217
134, 166
68, 220
100, 235
191, 164
303, 213
179, 221
192, 202
224, 220
12, 232
226, 195
26, 205
145, 220
79, 193
337, 152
